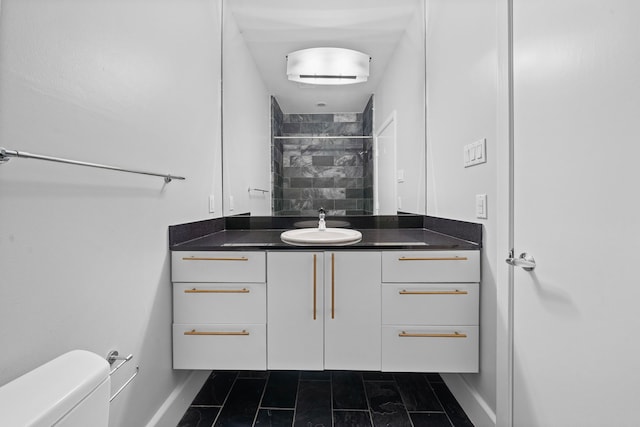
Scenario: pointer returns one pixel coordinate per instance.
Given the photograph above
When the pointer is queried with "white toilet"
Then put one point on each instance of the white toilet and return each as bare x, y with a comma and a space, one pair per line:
72, 390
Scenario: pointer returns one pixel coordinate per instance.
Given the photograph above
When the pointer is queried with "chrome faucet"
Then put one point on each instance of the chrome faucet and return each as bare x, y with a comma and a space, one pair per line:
322, 226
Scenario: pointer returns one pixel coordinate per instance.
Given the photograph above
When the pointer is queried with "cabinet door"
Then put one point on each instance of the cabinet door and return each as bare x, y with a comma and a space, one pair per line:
352, 310
295, 310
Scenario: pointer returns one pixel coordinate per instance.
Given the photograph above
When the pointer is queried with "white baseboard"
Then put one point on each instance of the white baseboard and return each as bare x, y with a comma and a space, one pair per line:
171, 411
476, 408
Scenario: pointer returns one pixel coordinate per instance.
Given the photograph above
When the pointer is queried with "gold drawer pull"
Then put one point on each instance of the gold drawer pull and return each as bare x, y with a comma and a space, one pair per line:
315, 285
333, 286
456, 292
217, 291
194, 332
215, 259
453, 335
455, 258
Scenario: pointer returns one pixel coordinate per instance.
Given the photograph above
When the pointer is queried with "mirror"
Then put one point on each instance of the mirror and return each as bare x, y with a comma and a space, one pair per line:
290, 148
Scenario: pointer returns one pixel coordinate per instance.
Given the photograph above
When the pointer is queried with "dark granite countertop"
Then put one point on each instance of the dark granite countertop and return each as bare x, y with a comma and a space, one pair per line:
413, 232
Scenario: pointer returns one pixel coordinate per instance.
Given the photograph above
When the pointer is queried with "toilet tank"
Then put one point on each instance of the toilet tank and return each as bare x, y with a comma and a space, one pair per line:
72, 390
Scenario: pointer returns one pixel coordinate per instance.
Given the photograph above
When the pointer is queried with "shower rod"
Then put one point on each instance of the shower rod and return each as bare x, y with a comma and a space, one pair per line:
324, 137
5, 155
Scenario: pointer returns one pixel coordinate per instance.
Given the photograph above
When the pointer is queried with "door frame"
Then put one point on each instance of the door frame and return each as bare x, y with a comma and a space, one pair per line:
505, 215
392, 119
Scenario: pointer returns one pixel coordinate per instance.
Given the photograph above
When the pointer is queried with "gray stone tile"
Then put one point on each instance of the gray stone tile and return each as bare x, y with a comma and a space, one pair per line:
299, 161
386, 404
274, 418
301, 182
348, 390
345, 117
197, 416
346, 204
324, 182
430, 419
353, 171
292, 193
215, 389
351, 419
348, 182
323, 160
347, 160
281, 390
416, 393
314, 404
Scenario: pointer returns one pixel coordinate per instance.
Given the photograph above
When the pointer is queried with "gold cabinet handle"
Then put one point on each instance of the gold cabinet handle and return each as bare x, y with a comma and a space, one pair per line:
456, 292
333, 286
315, 285
455, 258
404, 334
194, 332
217, 291
215, 259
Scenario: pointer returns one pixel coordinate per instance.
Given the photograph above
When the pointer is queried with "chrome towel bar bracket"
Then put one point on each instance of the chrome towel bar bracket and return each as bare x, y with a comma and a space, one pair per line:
111, 358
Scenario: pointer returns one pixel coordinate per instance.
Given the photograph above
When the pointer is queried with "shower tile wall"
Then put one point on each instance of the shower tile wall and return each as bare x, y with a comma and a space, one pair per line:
321, 172
277, 180
367, 129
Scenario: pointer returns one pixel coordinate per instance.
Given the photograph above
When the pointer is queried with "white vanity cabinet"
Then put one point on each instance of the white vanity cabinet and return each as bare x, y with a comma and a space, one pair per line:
323, 310
390, 310
430, 311
219, 310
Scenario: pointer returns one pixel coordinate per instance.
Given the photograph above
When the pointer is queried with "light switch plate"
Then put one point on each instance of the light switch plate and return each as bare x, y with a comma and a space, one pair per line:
481, 206
475, 153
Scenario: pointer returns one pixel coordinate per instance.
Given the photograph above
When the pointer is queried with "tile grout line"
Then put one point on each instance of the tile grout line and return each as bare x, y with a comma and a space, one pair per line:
264, 390
224, 402
331, 398
404, 403
439, 401
295, 404
366, 397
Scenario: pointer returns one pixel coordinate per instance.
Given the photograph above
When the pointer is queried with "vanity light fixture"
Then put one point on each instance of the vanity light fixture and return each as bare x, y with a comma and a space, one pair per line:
328, 66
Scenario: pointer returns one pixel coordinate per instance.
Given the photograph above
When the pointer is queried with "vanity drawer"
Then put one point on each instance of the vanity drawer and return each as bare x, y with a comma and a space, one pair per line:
219, 303
430, 349
430, 266
430, 304
218, 267
198, 346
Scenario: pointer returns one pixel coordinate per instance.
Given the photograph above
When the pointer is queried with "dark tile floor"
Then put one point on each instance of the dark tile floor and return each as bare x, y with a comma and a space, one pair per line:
324, 399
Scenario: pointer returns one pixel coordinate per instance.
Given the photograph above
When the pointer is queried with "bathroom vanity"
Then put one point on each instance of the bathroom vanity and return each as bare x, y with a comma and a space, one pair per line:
404, 298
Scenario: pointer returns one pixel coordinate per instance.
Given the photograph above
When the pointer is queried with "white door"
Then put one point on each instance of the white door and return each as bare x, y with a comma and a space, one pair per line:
295, 310
386, 180
576, 321
352, 310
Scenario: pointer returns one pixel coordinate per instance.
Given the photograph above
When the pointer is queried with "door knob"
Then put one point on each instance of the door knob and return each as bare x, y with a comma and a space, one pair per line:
526, 261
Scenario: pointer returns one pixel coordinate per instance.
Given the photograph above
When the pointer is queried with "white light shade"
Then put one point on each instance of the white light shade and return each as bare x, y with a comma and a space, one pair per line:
328, 66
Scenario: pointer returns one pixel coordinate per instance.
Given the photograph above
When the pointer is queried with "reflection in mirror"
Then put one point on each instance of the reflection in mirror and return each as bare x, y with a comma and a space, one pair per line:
290, 148
322, 161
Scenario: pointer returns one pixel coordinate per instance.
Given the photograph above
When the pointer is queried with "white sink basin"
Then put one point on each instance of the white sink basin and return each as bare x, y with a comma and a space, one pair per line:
313, 236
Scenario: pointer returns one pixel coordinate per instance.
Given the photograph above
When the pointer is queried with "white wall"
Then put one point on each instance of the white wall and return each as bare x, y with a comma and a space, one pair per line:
461, 108
247, 128
402, 91
83, 252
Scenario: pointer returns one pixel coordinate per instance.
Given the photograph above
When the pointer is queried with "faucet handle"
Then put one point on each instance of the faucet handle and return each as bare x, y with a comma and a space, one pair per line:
321, 224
